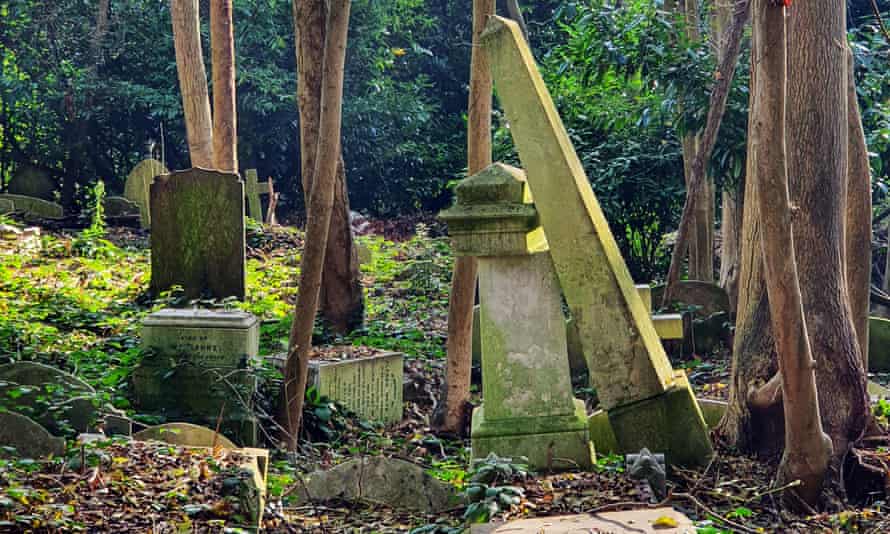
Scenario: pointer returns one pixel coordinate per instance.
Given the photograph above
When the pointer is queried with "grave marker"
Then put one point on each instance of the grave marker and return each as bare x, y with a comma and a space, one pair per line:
33, 207
136, 188
253, 189
649, 405
370, 386
197, 237
32, 181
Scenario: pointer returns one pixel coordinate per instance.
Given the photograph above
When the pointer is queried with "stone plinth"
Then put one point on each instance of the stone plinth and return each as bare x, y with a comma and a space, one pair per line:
371, 387
197, 362
197, 234
628, 365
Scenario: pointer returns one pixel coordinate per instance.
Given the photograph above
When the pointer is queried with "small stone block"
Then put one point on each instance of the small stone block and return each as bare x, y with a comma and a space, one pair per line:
371, 387
668, 325
671, 422
549, 442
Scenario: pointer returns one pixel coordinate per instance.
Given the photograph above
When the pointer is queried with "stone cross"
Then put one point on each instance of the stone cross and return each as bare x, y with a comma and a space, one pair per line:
253, 189
529, 409
649, 405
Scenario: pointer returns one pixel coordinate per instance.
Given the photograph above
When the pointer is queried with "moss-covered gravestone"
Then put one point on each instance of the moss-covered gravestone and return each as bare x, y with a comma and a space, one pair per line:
528, 409
33, 207
649, 405
200, 364
32, 181
136, 188
197, 234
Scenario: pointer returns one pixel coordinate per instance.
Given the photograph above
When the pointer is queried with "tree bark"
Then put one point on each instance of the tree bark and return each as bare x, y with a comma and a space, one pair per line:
318, 221
817, 134
192, 81
222, 55
100, 31
858, 218
730, 248
341, 299
716, 109
463, 279
807, 448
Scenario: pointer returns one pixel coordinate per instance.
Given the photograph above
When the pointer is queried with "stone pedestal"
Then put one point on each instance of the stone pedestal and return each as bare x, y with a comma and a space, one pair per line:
529, 409
199, 363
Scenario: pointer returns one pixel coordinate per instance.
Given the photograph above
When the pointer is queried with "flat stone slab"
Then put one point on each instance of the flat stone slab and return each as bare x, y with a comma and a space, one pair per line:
372, 387
643, 521
185, 435
28, 438
389, 481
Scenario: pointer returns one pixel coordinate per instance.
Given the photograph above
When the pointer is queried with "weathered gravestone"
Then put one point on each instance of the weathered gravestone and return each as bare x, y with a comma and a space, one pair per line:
6, 206
136, 188
32, 181
185, 435
197, 235
50, 396
648, 403
371, 386
707, 298
28, 438
120, 207
33, 207
663, 520
253, 188
529, 409
200, 364
878, 345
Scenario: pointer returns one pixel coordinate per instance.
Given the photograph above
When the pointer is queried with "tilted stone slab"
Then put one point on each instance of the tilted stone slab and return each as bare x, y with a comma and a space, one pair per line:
27, 437
197, 237
371, 387
625, 356
32, 388
34, 207
138, 184
185, 435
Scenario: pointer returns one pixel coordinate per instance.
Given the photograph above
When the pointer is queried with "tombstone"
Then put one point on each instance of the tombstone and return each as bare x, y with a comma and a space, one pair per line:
6, 206
136, 188
253, 188
184, 435
199, 364
33, 207
878, 345
27, 437
116, 207
48, 395
707, 297
648, 403
662, 520
370, 386
197, 235
32, 181
529, 409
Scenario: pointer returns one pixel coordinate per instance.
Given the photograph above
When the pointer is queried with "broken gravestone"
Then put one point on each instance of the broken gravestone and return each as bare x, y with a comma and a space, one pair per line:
55, 399
28, 438
390, 481
32, 181
136, 188
119, 207
197, 234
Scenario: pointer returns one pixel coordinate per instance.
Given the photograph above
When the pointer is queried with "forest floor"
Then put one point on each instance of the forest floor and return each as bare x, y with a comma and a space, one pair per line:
77, 302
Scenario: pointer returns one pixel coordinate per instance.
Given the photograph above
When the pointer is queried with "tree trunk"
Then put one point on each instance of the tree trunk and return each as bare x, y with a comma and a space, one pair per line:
857, 222
463, 279
730, 248
192, 81
222, 54
100, 31
341, 299
807, 448
318, 221
817, 166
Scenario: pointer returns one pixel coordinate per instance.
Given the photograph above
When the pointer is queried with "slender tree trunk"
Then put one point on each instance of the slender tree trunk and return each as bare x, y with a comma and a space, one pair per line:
817, 134
857, 222
100, 31
807, 448
463, 279
730, 249
192, 81
318, 217
341, 299
222, 48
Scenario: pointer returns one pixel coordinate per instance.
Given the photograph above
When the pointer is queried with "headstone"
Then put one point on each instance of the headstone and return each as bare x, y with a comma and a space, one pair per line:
50, 396
184, 435
878, 345
393, 482
6, 206
197, 237
529, 409
32, 207
663, 520
371, 387
646, 400
32, 181
138, 184
253, 188
200, 364
28, 438
707, 297
120, 207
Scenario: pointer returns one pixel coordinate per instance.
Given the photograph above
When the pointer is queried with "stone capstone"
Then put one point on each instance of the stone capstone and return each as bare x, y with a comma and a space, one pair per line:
389, 481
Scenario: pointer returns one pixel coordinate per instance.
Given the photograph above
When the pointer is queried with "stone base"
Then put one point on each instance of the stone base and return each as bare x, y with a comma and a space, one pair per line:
671, 423
549, 442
